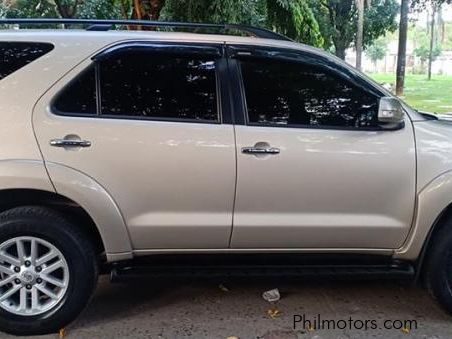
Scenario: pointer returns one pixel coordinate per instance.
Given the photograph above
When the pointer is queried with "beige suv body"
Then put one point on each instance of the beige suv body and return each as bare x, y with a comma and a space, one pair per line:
139, 185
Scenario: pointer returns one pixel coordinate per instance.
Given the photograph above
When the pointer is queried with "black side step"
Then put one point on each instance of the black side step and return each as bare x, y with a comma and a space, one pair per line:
392, 271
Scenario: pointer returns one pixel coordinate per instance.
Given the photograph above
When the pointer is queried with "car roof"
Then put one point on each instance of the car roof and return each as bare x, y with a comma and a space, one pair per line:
50, 35
85, 38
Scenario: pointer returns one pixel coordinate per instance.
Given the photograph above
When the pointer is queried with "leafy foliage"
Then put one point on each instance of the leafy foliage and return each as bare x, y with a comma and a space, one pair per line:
322, 23
380, 18
423, 53
100, 9
215, 11
31, 9
295, 19
377, 50
338, 21
421, 5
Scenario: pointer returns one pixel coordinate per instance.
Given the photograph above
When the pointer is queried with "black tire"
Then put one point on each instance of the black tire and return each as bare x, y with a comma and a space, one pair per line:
78, 251
438, 267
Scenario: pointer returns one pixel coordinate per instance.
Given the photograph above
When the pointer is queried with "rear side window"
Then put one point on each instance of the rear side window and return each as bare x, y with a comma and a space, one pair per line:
145, 84
285, 93
80, 95
15, 55
158, 85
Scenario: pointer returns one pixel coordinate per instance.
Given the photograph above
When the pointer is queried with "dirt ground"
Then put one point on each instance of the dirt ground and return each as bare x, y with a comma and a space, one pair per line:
178, 309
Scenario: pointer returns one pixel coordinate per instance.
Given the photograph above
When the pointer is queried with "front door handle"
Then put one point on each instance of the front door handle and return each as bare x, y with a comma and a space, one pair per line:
69, 143
258, 150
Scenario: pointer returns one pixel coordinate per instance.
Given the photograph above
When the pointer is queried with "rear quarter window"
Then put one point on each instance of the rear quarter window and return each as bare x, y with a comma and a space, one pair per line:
15, 55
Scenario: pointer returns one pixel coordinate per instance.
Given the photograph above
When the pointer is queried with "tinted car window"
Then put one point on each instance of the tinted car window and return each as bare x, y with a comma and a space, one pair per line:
80, 95
158, 85
15, 55
284, 93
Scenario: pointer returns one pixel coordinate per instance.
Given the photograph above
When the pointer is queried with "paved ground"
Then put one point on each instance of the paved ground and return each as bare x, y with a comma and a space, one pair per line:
203, 310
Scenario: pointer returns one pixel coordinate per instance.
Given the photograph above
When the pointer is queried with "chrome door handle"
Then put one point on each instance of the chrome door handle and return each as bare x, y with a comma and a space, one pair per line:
69, 143
256, 150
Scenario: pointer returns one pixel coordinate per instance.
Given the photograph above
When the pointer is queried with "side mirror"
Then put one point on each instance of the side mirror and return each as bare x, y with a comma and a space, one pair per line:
390, 111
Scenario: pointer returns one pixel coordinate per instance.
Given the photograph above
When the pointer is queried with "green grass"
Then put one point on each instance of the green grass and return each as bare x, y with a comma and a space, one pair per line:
430, 96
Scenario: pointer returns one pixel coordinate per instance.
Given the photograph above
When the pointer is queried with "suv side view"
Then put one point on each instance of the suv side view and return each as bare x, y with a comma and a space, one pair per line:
121, 147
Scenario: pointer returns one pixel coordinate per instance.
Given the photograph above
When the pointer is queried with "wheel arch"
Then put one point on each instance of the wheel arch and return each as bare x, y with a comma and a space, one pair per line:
31, 182
97, 203
439, 224
11, 198
433, 209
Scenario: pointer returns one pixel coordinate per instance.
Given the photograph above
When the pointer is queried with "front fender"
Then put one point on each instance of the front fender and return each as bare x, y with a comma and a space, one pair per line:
432, 200
98, 203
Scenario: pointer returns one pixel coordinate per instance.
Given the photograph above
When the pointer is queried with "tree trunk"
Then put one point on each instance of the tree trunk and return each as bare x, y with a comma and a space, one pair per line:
432, 42
340, 46
401, 55
442, 26
147, 9
137, 10
359, 34
340, 53
156, 8
66, 10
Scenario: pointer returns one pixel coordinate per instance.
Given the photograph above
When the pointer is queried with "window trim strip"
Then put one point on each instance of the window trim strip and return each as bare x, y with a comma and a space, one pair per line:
206, 49
221, 95
98, 89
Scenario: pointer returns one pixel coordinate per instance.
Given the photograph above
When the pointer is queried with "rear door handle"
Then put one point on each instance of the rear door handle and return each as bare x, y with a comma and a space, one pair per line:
257, 150
69, 143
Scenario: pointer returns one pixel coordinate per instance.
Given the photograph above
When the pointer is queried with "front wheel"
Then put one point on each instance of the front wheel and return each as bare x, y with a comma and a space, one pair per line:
48, 271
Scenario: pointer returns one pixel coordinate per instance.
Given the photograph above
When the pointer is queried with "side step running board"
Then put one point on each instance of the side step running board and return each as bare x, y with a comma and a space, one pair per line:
393, 271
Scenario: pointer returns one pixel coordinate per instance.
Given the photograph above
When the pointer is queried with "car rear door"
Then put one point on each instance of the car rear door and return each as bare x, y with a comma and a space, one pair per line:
146, 121
314, 167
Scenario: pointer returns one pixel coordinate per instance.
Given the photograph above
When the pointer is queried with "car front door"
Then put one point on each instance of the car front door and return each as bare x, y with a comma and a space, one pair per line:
159, 140
315, 168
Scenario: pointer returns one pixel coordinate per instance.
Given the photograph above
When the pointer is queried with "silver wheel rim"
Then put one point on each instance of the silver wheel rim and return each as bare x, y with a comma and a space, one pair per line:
34, 276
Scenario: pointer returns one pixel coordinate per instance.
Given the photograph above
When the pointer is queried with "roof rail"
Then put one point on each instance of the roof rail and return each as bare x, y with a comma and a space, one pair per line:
105, 25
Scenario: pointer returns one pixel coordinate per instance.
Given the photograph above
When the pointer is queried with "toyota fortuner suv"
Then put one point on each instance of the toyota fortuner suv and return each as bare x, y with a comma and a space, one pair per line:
120, 147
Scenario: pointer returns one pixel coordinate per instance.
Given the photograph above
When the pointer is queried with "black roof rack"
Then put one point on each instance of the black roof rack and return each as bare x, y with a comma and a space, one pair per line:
105, 25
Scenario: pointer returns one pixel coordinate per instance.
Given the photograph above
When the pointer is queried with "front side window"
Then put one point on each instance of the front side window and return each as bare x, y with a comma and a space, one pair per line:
286, 93
15, 55
145, 84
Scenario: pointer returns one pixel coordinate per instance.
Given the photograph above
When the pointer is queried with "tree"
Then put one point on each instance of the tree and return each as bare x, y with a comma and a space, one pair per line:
401, 54
423, 53
100, 9
89, 9
421, 39
377, 51
432, 42
293, 18
147, 9
422, 5
360, 5
3, 10
216, 11
403, 34
67, 8
338, 21
30, 9
359, 33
